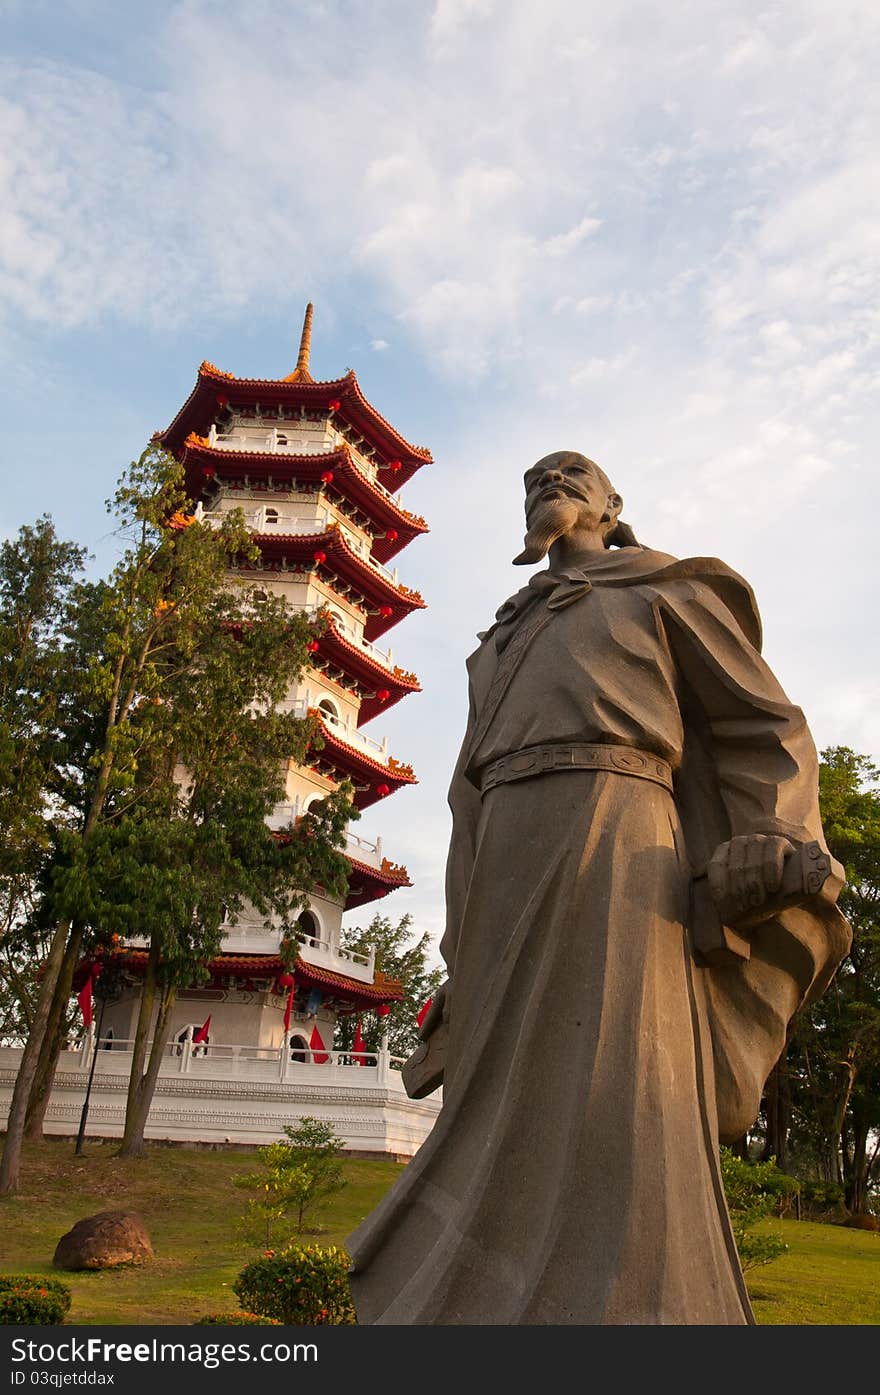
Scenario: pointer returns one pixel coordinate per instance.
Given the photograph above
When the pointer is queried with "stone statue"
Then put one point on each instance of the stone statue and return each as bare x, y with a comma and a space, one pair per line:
639, 899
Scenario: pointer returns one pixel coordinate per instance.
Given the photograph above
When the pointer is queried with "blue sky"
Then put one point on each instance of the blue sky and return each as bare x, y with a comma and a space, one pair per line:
649, 233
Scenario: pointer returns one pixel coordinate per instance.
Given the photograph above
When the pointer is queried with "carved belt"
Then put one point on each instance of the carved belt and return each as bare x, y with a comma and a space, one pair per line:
575, 755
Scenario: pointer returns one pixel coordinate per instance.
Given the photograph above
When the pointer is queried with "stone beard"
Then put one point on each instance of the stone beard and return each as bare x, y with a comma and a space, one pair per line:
622, 728
549, 520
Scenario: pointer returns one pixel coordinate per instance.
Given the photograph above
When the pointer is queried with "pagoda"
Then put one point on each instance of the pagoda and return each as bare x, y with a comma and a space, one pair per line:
317, 472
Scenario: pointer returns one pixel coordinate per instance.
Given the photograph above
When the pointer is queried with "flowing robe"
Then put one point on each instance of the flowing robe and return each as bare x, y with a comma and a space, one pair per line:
592, 1062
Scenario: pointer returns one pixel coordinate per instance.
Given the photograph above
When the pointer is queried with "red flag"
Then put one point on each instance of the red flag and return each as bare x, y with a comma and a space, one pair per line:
423, 1012
84, 998
359, 1045
317, 1046
201, 1036
288, 1010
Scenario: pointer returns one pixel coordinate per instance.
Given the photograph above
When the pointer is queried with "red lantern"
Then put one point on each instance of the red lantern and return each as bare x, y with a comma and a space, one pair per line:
334, 405
313, 646
386, 610
208, 472
222, 401
327, 477
320, 557
382, 790
383, 694
392, 535
285, 980
394, 465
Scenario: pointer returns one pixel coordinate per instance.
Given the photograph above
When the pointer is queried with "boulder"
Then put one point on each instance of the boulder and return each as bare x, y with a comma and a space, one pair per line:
104, 1241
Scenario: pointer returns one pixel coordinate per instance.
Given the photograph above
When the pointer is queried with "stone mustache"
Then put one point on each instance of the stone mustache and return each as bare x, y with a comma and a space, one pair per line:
639, 899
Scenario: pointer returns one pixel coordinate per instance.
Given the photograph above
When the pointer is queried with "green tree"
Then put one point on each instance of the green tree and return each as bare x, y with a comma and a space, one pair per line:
753, 1192
832, 1069
404, 958
296, 1179
167, 751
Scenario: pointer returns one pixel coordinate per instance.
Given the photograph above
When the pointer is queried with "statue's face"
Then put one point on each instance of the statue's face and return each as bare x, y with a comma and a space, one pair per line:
565, 491
568, 481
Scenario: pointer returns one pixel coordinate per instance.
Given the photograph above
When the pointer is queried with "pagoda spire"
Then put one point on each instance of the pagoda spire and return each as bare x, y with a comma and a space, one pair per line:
301, 372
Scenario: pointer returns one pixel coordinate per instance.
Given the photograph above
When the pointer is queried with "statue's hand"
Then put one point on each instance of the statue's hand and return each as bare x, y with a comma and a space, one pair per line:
436, 1012
747, 871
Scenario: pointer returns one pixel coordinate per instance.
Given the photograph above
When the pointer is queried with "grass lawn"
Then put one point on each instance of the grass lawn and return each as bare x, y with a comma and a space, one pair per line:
830, 1275
190, 1208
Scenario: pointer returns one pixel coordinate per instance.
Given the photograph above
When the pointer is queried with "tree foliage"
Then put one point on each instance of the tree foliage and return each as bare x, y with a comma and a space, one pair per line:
753, 1192
158, 747
297, 1177
401, 955
823, 1100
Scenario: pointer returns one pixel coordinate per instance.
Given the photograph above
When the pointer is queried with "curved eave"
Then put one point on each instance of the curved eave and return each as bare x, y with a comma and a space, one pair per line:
356, 663
366, 884
340, 561
368, 776
265, 966
201, 408
349, 483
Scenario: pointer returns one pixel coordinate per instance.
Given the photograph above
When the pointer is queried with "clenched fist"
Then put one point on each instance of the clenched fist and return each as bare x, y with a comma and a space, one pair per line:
747, 871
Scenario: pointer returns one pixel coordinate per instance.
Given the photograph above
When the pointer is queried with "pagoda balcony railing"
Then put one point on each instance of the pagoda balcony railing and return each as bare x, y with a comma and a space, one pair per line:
276, 441
360, 848
217, 1060
272, 520
346, 731
382, 656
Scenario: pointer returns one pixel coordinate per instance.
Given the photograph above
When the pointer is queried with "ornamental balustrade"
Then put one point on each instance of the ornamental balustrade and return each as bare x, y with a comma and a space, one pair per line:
236, 1060
345, 730
269, 519
278, 441
360, 848
383, 656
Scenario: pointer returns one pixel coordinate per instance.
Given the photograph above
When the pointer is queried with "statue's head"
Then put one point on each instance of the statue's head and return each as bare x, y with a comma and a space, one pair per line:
565, 491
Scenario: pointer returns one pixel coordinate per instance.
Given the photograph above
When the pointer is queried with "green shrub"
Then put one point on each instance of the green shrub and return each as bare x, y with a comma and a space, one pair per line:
236, 1320
304, 1285
753, 1191
32, 1300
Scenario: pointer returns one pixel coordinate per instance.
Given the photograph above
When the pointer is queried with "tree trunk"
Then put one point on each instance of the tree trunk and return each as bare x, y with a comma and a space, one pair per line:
855, 1162
777, 1102
11, 1161
41, 1088
139, 1049
142, 1086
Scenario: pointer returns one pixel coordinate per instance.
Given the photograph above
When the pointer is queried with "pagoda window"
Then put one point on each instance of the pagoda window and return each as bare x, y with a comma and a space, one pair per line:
259, 597
270, 515
307, 926
329, 706
299, 1050
106, 1042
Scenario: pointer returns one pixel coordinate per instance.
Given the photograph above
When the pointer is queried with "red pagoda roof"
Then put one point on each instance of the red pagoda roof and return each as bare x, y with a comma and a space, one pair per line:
203, 462
339, 653
222, 966
339, 561
372, 779
341, 398
367, 883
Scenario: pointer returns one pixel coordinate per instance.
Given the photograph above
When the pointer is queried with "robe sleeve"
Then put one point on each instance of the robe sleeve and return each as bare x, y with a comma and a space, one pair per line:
763, 760
465, 803
749, 766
